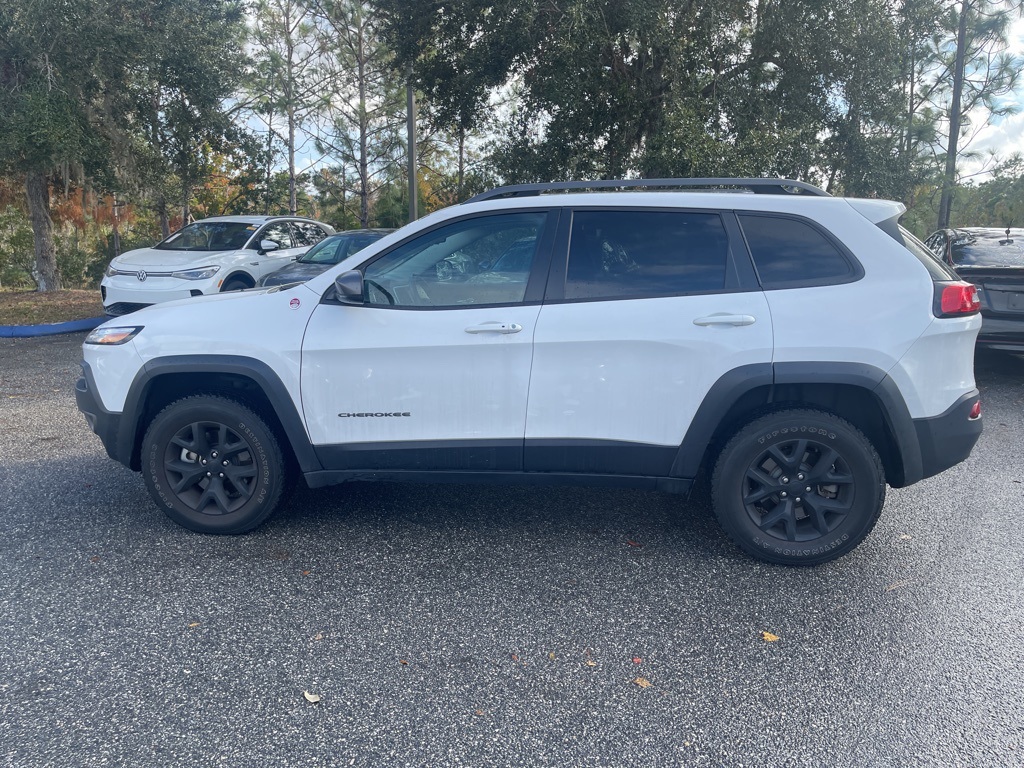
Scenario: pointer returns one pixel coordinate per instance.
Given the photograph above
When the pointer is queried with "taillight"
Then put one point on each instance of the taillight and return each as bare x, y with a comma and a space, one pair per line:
953, 299
975, 411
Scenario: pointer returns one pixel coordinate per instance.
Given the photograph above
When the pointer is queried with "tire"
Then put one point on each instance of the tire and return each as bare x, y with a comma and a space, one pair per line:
212, 465
235, 284
768, 494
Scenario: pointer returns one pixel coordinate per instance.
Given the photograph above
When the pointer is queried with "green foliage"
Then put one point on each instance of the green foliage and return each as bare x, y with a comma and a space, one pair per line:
15, 249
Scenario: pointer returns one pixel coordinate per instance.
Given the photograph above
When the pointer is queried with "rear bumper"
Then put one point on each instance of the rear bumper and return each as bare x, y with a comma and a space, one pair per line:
948, 439
999, 332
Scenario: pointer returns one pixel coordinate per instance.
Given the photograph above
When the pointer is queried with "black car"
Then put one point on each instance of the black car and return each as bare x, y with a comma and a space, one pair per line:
992, 259
325, 254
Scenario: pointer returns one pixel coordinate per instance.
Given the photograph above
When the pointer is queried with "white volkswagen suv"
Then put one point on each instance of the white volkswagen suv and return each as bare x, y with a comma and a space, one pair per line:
223, 253
802, 350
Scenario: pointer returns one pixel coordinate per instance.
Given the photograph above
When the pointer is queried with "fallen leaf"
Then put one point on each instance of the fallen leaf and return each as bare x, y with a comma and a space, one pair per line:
403, 662
194, 624
633, 543
905, 537
94, 559
637, 660
768, 637
305, 573
643, 682
318, 636
312, 698
551, 655
514, 657
590, 663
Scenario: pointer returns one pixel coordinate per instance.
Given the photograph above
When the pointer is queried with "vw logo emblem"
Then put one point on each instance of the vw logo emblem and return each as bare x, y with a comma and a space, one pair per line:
141, 274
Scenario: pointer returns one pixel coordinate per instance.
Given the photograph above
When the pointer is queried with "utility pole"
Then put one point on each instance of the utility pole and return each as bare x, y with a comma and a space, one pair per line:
410, 105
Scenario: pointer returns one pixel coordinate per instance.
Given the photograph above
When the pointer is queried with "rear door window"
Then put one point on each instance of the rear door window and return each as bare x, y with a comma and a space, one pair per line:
642, 253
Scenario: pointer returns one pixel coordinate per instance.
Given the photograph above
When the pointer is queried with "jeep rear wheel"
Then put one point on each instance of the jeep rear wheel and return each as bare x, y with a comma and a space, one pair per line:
213, 465
798, 487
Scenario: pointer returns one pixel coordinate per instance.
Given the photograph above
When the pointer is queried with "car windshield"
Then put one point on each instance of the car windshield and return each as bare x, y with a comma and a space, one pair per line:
334, 249
209, 236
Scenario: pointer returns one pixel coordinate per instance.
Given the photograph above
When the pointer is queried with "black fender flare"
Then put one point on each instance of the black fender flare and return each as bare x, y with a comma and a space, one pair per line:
733, 385
261, 374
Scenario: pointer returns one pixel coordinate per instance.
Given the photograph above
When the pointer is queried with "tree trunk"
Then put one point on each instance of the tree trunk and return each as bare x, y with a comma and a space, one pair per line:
949, 177
161, 212
44, 271
364, 130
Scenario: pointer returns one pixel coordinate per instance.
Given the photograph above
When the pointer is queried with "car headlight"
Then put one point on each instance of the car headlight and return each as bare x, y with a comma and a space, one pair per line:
111, 336
111, 270
203, 273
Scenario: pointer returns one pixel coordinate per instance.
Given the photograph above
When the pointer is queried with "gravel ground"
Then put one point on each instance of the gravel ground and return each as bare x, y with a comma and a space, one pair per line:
480, 626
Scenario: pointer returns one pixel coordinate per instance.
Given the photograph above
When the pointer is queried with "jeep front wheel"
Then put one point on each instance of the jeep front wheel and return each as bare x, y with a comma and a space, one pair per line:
213, 465
798, 487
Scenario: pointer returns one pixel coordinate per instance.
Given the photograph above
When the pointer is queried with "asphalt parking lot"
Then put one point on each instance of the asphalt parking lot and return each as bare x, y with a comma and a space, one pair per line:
480, 626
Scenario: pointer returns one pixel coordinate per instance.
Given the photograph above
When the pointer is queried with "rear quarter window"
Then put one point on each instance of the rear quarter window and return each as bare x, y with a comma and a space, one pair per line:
937, 268
793, 253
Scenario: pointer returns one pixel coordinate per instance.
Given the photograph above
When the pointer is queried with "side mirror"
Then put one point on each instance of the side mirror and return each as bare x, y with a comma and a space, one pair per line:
348, 287
268, 245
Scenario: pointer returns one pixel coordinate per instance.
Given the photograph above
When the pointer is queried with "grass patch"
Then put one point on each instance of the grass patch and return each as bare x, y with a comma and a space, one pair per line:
34, 308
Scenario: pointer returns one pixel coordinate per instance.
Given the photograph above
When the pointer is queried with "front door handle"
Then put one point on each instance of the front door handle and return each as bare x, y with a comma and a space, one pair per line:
495, 327
722, 318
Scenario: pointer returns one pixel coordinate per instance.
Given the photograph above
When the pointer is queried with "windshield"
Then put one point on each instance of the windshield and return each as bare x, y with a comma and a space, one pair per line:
209, 236
335, 249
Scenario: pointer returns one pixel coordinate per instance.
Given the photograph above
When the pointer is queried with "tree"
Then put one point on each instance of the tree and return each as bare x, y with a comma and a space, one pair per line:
180, 97
361, 115
287, 78
801, 88
971, 71
77, 85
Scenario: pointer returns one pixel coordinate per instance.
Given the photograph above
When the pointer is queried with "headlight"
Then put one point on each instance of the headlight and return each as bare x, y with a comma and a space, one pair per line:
110, 336
111, 270
203, 273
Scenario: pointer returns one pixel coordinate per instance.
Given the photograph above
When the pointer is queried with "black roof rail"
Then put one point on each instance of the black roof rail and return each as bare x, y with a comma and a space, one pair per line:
757, 186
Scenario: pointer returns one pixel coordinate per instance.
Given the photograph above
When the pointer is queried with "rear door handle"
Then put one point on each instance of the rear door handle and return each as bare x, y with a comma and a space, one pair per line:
722, 318
495, 327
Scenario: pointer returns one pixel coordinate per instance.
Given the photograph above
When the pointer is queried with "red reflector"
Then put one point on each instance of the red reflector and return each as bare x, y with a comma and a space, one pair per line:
976, 411
960, 299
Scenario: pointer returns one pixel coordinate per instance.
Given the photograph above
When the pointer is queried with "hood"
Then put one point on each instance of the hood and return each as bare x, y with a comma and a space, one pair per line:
153, 259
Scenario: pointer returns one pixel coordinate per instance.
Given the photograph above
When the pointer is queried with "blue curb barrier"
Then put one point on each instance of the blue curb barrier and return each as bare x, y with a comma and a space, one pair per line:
51, 329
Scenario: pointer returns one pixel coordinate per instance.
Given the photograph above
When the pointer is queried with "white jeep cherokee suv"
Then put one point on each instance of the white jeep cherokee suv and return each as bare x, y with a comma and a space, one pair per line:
802, 349
223, 253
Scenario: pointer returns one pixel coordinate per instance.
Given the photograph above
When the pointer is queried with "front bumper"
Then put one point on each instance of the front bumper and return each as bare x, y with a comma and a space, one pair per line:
105, 424
124, 293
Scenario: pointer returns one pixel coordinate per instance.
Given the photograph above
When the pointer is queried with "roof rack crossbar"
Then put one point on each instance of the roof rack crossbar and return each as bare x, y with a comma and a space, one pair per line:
757, 186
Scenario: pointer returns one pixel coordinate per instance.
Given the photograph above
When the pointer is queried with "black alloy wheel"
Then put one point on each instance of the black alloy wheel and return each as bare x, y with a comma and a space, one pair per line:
798, 487
212, 465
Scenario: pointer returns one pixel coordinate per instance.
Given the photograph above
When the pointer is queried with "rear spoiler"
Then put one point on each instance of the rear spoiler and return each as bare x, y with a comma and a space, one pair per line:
885, 214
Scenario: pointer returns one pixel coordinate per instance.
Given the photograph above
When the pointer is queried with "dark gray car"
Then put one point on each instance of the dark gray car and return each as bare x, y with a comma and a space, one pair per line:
993, 260
323, 255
